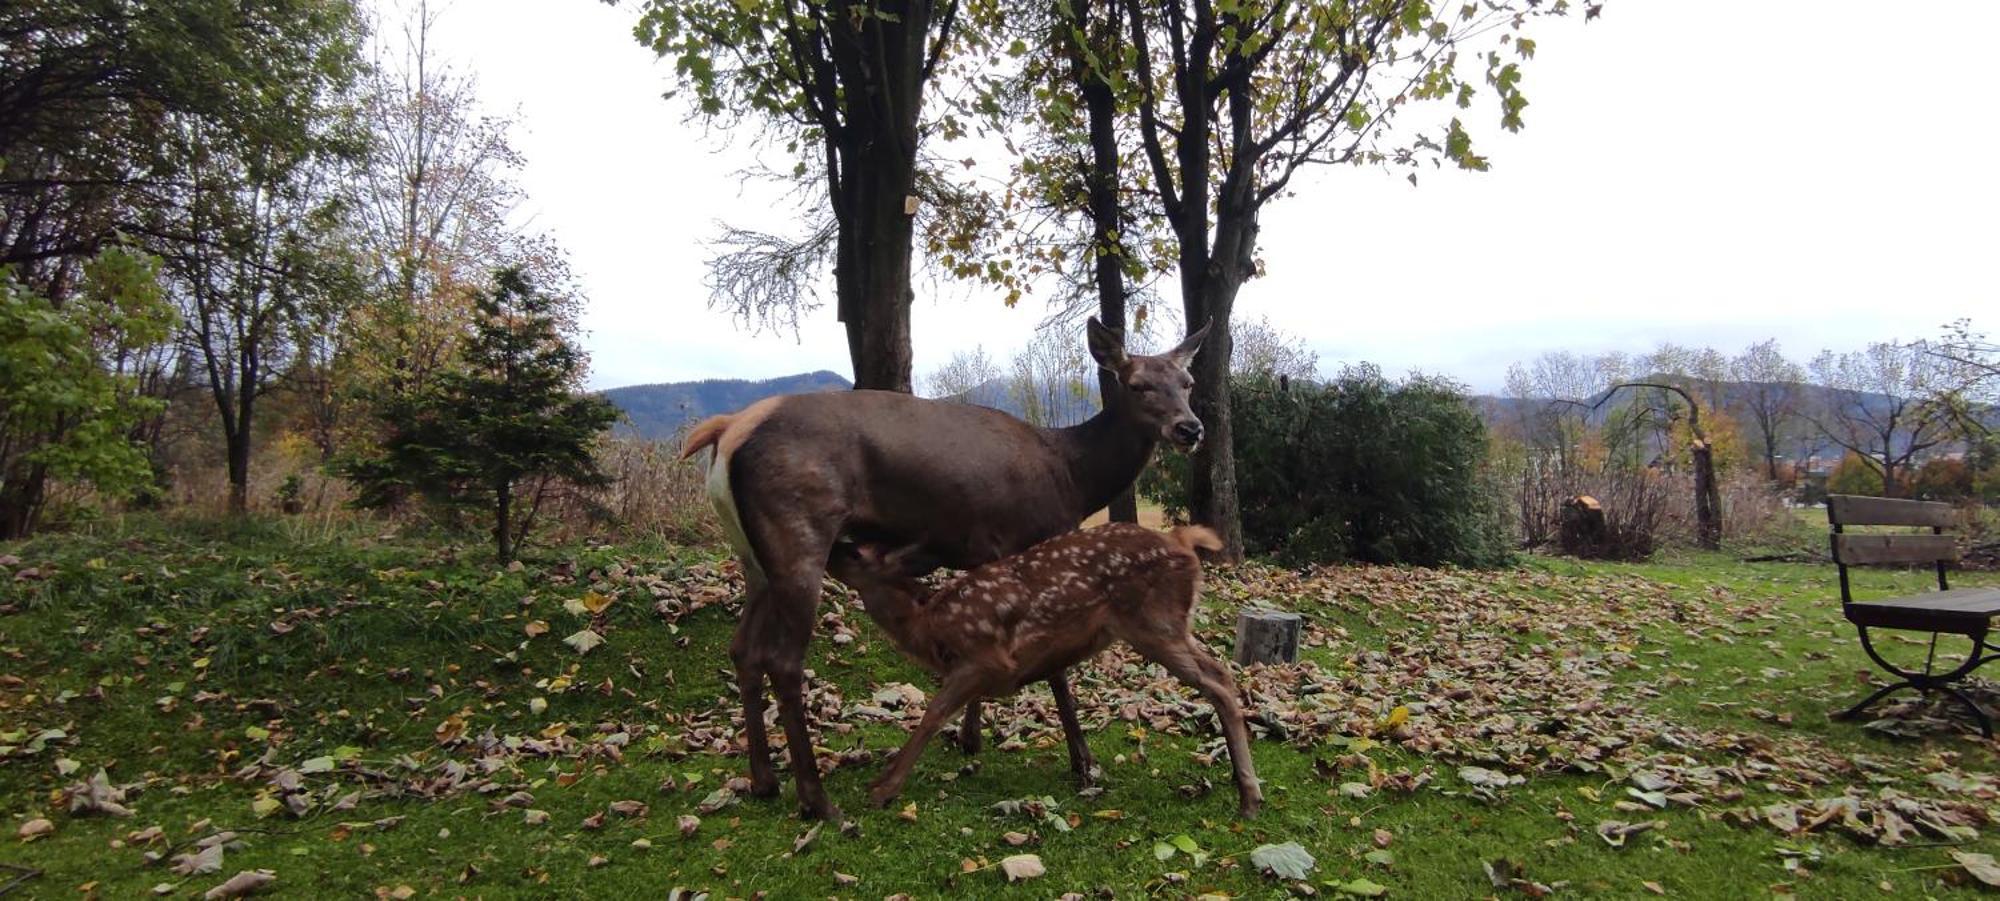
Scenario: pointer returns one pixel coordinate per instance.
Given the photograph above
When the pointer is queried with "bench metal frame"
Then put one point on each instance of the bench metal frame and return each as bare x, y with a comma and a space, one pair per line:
1928, 681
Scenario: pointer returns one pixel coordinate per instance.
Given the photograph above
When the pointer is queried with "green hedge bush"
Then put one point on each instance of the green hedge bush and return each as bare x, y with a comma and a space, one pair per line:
1361, 468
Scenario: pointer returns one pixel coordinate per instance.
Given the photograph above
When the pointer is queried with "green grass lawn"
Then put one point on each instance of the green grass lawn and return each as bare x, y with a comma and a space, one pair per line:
374, 714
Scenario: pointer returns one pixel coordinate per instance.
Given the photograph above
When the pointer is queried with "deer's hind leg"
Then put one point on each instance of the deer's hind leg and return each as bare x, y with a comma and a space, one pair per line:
794, 535
746, 653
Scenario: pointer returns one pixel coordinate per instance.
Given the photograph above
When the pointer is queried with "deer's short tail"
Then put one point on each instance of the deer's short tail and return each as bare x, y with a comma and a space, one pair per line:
706, 434
1191, 538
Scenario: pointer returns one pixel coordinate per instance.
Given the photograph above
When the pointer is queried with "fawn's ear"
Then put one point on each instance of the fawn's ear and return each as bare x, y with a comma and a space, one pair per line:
1107, 346
907, 560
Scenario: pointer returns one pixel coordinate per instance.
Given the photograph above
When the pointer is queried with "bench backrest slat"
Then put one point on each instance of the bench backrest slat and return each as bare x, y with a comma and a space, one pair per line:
1852, 549
1852, 510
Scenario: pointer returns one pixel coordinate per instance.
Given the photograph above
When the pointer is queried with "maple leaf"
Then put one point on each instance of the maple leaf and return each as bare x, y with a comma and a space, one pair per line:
584, 640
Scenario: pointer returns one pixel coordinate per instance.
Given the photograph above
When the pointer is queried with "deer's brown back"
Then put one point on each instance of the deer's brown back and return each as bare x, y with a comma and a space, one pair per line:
968, 483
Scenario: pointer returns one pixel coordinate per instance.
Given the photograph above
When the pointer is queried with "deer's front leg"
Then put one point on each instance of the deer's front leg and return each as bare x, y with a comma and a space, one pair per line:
1081, 764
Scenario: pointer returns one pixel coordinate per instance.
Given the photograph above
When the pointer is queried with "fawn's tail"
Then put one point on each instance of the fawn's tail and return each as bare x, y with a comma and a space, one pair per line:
705, 434
1191, 538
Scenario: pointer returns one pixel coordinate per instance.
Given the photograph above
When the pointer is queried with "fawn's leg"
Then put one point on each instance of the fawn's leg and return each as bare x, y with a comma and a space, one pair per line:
1081, 764
1192, 663
961, 687
968, 729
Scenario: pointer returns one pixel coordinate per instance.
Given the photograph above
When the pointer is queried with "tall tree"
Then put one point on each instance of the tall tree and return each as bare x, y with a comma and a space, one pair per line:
1886, 403
1769, 394
842, 85
1227, 101
434, 206
267, 203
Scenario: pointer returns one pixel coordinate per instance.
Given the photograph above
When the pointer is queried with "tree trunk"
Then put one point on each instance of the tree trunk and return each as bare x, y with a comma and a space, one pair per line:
871, 168
1107, 214
503, 533
872, 275
21, 500
1212, 469
1707, 498
238, 449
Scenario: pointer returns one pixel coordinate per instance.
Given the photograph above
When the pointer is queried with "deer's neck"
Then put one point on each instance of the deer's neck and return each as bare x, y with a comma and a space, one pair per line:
1104, 454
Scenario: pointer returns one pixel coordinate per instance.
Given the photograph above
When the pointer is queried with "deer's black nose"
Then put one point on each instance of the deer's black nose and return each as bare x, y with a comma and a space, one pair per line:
1187, 432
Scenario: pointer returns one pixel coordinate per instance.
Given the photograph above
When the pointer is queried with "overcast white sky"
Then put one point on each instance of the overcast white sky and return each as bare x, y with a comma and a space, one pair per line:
1706, 172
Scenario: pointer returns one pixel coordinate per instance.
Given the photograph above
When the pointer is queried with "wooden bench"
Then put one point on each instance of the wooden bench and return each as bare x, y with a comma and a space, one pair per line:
1946, 611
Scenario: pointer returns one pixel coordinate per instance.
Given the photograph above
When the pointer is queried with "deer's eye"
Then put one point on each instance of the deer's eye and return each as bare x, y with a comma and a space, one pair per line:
1137, 388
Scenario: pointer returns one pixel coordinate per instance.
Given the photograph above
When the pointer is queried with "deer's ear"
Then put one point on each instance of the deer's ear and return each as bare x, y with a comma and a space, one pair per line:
1184, 351
1107, 346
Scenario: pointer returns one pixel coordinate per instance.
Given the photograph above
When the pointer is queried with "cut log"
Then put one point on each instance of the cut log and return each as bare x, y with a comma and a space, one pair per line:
1267, 636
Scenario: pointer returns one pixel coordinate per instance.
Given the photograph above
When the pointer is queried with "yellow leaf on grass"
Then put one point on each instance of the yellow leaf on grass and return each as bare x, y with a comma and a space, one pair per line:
536, 628
596, 602
1396, 717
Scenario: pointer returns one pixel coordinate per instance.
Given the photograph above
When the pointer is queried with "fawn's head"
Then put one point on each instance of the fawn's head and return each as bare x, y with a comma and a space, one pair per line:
1155, 386
874, 569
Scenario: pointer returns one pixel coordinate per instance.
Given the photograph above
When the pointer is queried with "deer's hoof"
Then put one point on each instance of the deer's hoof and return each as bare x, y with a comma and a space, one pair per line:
823, 810
968, 740
767, 788
1248, 809
882, 795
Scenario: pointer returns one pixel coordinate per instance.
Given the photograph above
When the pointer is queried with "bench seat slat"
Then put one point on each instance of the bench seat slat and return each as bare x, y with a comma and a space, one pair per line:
1960, 610
1851, 549
1853, 510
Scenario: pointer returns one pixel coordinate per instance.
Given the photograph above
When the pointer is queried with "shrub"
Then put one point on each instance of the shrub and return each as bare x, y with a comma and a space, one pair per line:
1644, 507
1942, 480
1362, 468
1854, 476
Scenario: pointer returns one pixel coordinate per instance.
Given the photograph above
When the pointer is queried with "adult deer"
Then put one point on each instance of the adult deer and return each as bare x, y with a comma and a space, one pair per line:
791, 475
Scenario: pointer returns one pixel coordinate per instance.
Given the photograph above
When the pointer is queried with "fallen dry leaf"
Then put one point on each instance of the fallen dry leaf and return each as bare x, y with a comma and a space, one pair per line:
248, 882
1022, 866
1981, 866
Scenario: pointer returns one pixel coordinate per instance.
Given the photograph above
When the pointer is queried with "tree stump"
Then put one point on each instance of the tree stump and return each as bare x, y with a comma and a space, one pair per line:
1267, 636
1583, 532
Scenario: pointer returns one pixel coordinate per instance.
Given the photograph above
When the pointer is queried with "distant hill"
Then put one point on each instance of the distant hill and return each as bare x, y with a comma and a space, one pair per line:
659, 411
1067, 405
